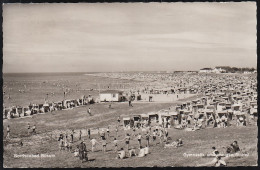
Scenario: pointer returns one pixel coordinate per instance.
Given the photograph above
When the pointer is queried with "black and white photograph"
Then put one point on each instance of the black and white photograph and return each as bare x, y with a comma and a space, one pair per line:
129, 85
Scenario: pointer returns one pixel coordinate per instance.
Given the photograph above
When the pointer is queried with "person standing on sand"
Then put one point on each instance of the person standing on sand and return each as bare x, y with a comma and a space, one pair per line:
154, 136
71, 135
82, 151
118, 119
139, 137
89, 111
147, 137
88, 133
116, 144
102, 134
108, 132
166, 135
130, 102
93, 144
8, 132
28, 128
116, 131
61, 144
127, 141
80, 133
104, 144
34, 129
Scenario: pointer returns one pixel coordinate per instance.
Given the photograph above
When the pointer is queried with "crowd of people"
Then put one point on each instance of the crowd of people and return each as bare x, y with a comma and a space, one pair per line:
225, 99
104, 138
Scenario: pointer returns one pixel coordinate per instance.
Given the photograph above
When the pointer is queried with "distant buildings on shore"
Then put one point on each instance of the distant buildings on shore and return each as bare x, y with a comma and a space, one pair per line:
227, 69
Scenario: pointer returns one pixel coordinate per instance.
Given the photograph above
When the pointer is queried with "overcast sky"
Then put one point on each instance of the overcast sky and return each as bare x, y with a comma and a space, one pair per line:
128, 37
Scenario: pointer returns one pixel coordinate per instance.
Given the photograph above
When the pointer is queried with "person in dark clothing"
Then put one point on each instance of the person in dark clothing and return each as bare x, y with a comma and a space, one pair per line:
83, 151
72, 135
129, 102
235, 147
89, 133
34, 129
80, 133
118, 119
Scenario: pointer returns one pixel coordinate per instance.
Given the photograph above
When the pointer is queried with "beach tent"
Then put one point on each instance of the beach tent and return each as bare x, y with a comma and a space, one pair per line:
35, 109
27, 111
221, 106
41, 108
153, 118
237, 107
60, 105
46, 107
230, 114
6, 114
137, 119
228, 106
210, 116
222, 113
200, 107
144, 120
66, 103
241, 119
253, 103
178, 107
19, 111
127, 122
194, 109
13, 113
174, 118
200, 115
253, 112
80, 102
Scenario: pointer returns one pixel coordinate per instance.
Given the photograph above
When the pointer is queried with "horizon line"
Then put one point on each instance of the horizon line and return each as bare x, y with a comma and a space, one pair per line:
98, 71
